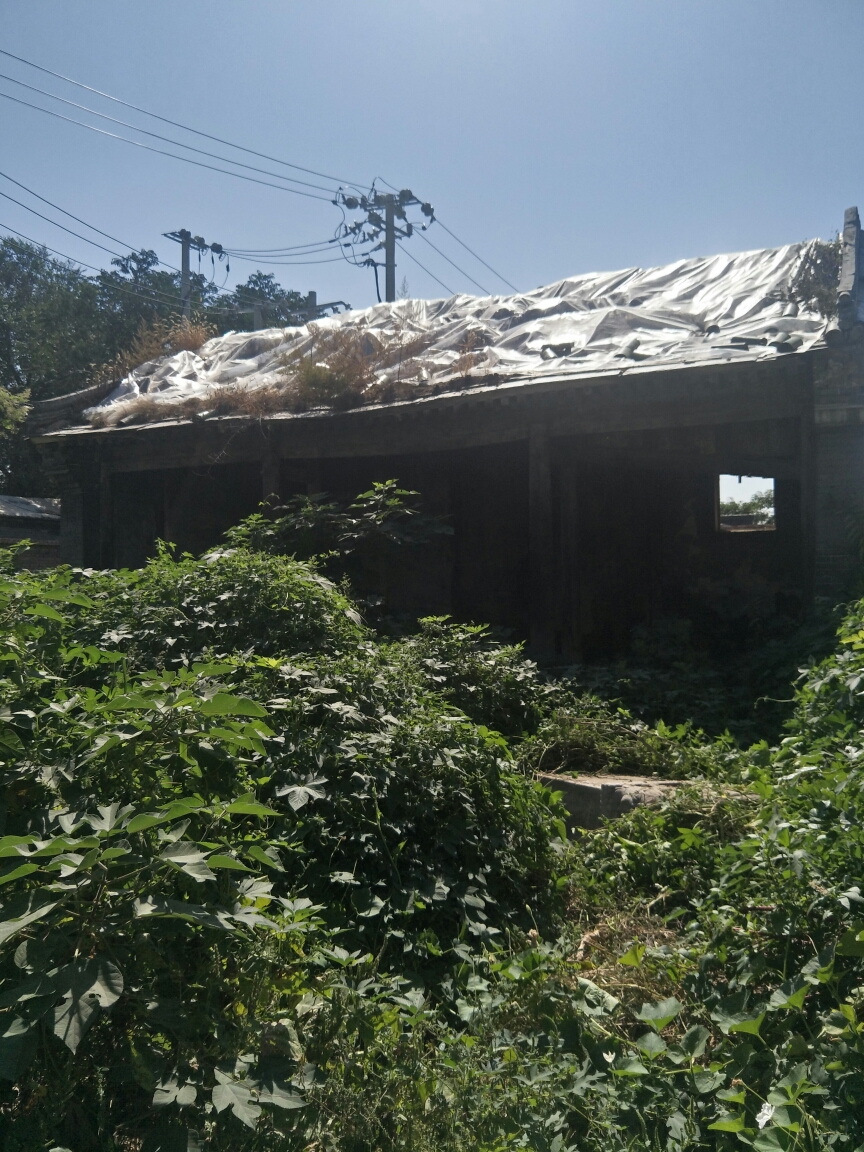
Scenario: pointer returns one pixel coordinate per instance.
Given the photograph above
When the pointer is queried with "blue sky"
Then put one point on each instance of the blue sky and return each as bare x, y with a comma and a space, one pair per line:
556, 137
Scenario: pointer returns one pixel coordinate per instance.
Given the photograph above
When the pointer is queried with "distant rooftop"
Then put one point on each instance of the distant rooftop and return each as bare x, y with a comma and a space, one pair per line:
29, 508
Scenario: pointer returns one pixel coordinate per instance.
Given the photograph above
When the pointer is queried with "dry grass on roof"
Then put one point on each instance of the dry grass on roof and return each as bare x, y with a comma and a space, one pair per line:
340, 369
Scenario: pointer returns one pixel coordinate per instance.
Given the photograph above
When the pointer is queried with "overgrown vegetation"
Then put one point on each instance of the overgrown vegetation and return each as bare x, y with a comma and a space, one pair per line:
273, 882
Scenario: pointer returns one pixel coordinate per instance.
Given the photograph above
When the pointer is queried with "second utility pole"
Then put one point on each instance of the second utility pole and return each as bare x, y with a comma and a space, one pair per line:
185, 237
389, 249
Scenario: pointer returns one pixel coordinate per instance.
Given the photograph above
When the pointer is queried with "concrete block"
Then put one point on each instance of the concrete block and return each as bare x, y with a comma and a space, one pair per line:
592, 799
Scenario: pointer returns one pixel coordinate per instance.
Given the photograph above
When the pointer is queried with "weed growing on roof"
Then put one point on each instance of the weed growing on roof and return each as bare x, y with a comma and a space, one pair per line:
815, 282
342, 368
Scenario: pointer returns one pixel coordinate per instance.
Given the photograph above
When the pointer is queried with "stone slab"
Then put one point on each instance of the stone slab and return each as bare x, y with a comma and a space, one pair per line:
592, 799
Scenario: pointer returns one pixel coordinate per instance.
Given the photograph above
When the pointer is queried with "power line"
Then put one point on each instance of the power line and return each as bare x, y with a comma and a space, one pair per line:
455, 265
283, 263
476, 257
57, 208
425, 269
218, 140
63, 228
78, 235
280, 251
164, 139
175, 123
162, 152
464, 245
154, 297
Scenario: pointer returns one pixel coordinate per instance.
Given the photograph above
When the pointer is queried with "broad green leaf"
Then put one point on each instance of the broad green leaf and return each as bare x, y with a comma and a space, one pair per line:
660, 1014
235, 1094
629, 1066
594, 1001
771, 1140
66, 597
750, 1025
707, 1081
269, 857
280, 1095
733, 1016
221, 861
8, 928
189, 858
651, 1044
633, 956
789, 995
821, 968
46, 611
86, 986
299, 795
16, 873
851, 943
181, 910
17, 1048
224, 704
732, 1095
248, 806
695, 1040
171, 1091
728, 1124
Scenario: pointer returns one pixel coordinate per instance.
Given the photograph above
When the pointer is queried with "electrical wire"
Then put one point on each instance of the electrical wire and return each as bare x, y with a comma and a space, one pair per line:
176, 124
458, 241
279, 251
63, 228
453, 262
476, 257
165, 139
162, 152
78, 235
284, 263
57, 208
229, 144
425, 269
155, 296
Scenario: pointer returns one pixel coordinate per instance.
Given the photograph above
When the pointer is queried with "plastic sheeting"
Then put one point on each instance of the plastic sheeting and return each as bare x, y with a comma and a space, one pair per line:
693, 311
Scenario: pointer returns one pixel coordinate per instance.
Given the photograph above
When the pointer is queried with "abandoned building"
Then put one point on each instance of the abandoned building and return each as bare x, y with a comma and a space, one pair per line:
574, 437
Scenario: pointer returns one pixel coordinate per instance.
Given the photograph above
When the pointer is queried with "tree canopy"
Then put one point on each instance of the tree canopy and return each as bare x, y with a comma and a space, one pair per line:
61, 330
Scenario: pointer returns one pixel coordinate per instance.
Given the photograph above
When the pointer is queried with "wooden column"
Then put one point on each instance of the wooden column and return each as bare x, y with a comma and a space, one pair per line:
541, 547
106, 517
271, 477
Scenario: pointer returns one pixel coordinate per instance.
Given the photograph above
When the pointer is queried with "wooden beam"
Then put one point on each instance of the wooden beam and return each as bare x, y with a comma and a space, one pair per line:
542, 567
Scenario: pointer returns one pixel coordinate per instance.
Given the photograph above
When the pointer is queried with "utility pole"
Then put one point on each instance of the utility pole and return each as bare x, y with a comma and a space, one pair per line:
187, 242
389, 249
185, 278
375, 226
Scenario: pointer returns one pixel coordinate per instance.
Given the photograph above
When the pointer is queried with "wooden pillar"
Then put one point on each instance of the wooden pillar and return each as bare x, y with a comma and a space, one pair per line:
71, 524
106, 518
271, 477
542, 567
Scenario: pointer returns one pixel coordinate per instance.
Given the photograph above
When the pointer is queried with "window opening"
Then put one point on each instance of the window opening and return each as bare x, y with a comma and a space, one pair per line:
745, 503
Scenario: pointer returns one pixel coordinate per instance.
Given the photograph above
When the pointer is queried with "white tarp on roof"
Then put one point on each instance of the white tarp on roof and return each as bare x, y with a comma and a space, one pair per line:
720, 307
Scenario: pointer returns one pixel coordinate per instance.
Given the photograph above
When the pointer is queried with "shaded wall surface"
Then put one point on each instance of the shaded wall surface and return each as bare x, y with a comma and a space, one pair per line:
634, 529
